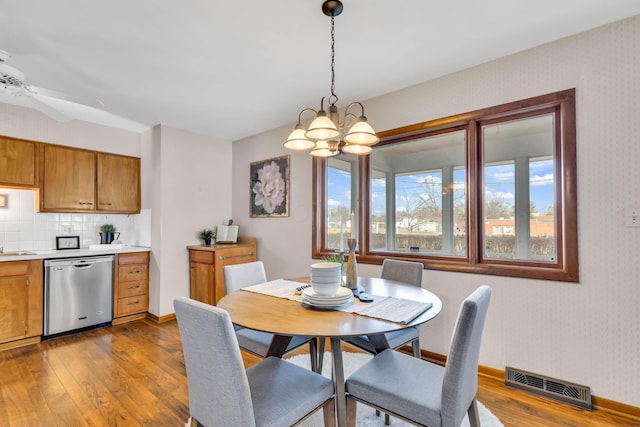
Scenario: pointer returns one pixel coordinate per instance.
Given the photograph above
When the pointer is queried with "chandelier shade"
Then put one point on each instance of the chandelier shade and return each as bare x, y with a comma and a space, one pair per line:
326, 131
297, 140
322, 128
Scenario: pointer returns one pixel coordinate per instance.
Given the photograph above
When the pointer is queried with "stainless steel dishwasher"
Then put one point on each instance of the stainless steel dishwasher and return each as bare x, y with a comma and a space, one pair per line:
78, 293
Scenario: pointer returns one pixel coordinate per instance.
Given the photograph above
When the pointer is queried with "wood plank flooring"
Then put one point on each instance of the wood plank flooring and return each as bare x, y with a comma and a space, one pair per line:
133, 375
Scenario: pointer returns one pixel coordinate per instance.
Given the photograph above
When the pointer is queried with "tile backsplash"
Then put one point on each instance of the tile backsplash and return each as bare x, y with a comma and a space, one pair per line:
21, 228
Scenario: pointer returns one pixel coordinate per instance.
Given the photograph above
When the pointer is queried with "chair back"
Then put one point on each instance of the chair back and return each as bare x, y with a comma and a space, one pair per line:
402, 271
460, 382
238, 276
219, 393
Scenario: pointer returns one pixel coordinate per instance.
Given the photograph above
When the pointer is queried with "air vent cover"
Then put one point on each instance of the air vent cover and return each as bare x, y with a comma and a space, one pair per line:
562, 391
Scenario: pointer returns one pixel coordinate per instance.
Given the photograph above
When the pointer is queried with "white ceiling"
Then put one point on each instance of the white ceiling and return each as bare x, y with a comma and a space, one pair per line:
236, 68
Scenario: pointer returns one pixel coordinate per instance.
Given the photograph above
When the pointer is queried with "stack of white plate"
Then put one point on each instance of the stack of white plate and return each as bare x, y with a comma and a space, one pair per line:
342, 297
326, 278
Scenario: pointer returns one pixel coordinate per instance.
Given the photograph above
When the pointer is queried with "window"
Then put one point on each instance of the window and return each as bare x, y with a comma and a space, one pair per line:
491, 191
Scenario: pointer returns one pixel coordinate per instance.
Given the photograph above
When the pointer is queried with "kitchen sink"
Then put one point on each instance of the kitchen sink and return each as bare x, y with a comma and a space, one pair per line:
16, 253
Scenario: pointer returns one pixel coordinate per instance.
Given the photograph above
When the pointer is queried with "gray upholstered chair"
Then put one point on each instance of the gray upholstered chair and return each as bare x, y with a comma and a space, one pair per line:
405, 272
221, 393
421, 392
240, 275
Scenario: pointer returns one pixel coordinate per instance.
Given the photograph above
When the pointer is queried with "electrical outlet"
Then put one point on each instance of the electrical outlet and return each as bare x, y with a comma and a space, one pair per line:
67, 229
632, 217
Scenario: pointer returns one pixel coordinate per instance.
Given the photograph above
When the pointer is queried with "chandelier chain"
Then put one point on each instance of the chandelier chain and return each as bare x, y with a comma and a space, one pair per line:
333, 99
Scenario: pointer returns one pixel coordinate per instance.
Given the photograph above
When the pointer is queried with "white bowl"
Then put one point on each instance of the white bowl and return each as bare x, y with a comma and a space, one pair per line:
324, 266
332, 279
325, 289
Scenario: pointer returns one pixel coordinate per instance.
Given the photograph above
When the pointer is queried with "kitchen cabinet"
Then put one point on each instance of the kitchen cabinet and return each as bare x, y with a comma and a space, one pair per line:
131, 287
18, 162
118, 183
206, 263
21, 308
77, 180
68, 179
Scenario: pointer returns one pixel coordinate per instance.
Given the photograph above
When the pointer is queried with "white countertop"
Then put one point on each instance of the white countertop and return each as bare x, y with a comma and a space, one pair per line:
69, 253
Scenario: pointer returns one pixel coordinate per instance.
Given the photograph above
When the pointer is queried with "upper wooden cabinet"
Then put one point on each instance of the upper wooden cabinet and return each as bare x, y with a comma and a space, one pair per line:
68, 179
118, 183
76, 180
18, 163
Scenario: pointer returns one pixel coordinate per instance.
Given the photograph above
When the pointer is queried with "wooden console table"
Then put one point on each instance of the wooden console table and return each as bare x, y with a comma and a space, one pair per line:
206, 262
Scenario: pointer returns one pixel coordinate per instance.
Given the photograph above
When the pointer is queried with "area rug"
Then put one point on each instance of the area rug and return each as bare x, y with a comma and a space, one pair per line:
366, 416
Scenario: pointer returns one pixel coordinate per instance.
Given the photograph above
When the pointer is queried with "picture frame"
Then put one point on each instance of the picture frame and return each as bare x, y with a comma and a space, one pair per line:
67, 242
269, 188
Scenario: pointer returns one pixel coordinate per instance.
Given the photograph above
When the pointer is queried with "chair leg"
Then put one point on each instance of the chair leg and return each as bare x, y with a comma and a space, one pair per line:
329, 412
321, 344
313, 354
416, 348
351, 412
472, 412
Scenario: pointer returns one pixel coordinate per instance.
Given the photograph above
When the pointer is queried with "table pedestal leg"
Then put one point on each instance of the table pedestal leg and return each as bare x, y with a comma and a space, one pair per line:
338, 379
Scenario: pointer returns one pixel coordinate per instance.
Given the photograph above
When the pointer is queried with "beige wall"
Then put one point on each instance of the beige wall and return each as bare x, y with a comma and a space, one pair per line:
587, 333
190, 190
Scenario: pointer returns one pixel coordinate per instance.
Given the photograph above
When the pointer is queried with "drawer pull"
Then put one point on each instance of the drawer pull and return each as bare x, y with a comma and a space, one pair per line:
221, 257
133, 303
134, 272
134, 287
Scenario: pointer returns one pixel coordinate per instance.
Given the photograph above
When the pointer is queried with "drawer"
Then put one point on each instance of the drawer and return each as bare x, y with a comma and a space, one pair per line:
203, 257
129, 273
239, 252
131, 305
131, 288
133, 258
14, 268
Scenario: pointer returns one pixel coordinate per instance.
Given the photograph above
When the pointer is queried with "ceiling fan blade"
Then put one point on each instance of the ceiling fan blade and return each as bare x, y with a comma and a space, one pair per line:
95, 103
43, 107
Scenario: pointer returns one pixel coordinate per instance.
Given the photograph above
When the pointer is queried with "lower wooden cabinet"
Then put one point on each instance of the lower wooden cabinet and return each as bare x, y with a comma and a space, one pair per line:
206, 263
21, 303
131, 287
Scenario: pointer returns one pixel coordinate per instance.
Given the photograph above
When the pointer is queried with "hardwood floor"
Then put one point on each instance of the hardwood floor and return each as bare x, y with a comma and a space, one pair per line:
133, 374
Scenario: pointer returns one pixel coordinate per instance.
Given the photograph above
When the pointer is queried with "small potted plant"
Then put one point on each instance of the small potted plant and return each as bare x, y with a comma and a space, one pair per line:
206, 235
107, 234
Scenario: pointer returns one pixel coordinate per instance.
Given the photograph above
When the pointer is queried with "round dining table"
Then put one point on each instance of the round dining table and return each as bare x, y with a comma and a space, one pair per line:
285, 318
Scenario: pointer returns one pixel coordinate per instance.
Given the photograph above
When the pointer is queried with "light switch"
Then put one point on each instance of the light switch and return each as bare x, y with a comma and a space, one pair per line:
632, 217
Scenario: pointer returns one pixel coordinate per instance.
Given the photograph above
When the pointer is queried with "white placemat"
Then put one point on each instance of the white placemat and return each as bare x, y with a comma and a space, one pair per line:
280, 288
391, 309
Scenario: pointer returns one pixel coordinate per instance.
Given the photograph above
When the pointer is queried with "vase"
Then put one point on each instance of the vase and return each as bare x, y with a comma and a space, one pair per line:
107, 237
351, 280
207, 242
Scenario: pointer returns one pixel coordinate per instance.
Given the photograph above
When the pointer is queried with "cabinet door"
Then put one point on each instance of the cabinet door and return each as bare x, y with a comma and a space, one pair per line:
202, 283
17, 162
68, 181
118, 183
14, 303
230, 256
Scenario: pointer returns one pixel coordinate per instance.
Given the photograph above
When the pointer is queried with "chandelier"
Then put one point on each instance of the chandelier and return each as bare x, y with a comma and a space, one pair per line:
326, 131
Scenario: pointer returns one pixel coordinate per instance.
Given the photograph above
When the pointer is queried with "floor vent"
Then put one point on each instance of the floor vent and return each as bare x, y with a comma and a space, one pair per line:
562, 391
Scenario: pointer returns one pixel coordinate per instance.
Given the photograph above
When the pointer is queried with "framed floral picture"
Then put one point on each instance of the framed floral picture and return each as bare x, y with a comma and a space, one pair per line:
269, 192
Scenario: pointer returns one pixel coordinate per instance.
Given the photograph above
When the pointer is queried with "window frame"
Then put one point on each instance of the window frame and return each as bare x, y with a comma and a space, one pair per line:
565, 267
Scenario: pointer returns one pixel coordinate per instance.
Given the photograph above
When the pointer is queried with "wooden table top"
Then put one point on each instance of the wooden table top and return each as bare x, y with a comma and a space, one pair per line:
286, 317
